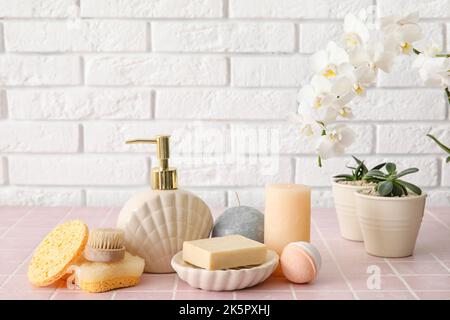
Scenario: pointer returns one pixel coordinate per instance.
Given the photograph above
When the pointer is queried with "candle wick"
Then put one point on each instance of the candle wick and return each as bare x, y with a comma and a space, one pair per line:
237, 197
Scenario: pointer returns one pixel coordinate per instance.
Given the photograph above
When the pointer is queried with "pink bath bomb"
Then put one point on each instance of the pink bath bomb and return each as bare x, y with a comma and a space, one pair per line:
300, 262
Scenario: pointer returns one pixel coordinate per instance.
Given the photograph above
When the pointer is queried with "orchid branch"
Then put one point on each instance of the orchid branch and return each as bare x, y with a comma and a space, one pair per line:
441, 145
343, 72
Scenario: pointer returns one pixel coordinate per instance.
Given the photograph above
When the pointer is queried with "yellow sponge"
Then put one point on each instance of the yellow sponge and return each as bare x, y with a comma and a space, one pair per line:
59, 249
107, 285
100, 276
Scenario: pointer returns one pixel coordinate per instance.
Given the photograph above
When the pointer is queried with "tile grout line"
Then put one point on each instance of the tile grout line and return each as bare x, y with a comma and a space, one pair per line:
400, 277
333, 257
108, 215
175, 287
437, 219
440, 262
294, 295
9, 277
2, 236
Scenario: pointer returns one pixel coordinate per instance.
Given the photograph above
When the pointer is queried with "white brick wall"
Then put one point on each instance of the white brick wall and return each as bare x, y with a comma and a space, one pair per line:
38, 137
26, 70
152, 8
36, 8
225, 104
79, 77
59, 36
79, 104
158, 70
223, 37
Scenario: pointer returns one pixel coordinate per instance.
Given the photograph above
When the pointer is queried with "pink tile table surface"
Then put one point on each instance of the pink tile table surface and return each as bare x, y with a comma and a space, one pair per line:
344, 274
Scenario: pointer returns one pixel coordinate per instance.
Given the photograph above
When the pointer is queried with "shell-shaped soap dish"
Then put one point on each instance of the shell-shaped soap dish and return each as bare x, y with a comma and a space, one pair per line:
157, 223
224, 280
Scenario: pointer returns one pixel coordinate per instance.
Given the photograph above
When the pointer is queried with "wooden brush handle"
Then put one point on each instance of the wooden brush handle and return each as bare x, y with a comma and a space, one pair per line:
103, 255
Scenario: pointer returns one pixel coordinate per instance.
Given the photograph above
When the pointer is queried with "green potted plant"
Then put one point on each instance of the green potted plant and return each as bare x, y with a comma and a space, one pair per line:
390, 213
343, 188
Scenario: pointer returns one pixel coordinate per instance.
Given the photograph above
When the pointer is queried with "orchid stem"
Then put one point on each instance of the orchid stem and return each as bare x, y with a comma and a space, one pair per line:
319, 161
439, 55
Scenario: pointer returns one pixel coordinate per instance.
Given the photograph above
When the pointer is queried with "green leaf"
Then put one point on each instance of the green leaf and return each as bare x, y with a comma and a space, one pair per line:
345, 176
403, 188
448, 160
358, 171
410, 186
407, 171
375, 174
357, 160
385, 188
440, 144
397, 190
390, 167
379, 166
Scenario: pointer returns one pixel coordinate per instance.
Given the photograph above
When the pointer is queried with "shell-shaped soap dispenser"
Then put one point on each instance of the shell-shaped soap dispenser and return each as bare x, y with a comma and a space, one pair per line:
157, 221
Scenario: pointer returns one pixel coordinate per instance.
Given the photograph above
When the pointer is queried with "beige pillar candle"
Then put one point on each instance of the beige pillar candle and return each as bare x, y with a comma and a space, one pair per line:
288, 215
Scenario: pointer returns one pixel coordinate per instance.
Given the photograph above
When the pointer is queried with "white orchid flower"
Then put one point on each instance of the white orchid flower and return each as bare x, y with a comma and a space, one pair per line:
375, 56
434, 71
402, 32
329, 62
308, 126
341, 105
322, 100
355, 31
316, 94
322, 116
335, 141
360, 78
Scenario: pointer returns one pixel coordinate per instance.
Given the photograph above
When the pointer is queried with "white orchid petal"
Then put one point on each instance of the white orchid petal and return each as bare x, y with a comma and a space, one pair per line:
347, 136
321, 84
306, 95
325, 148
319, 61
410, 33
385, 61
359, 57
342, 86
338, 56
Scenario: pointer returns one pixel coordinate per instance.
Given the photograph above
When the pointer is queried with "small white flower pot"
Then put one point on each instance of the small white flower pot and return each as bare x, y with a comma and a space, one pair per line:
390, 225
344, 202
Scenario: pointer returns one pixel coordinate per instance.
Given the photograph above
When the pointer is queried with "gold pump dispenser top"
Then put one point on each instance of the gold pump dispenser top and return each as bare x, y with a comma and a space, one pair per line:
162, 177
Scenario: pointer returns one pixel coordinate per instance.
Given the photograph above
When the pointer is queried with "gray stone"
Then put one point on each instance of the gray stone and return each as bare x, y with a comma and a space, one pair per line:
243, 220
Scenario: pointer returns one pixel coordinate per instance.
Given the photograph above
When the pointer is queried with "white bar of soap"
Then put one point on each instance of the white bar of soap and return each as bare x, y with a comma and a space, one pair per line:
224, 252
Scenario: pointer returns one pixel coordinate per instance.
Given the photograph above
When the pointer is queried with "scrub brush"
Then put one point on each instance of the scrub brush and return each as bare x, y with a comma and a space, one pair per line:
105, 245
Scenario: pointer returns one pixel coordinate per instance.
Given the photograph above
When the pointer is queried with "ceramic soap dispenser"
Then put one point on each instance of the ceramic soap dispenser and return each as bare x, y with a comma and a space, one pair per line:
157, 221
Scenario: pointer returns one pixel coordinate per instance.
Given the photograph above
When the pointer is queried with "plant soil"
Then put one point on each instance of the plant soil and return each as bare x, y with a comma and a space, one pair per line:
359, 183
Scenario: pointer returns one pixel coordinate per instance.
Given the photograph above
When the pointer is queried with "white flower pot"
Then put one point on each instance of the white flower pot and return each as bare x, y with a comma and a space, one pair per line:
344, 202
390, 225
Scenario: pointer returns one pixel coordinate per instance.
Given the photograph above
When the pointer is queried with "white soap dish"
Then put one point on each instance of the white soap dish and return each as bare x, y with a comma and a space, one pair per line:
224, 280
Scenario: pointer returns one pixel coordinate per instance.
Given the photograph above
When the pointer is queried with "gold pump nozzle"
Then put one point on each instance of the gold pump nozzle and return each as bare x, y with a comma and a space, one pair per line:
162, 177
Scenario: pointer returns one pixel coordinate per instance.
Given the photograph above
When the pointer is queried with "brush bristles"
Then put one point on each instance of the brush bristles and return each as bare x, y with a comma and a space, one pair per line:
107, 239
